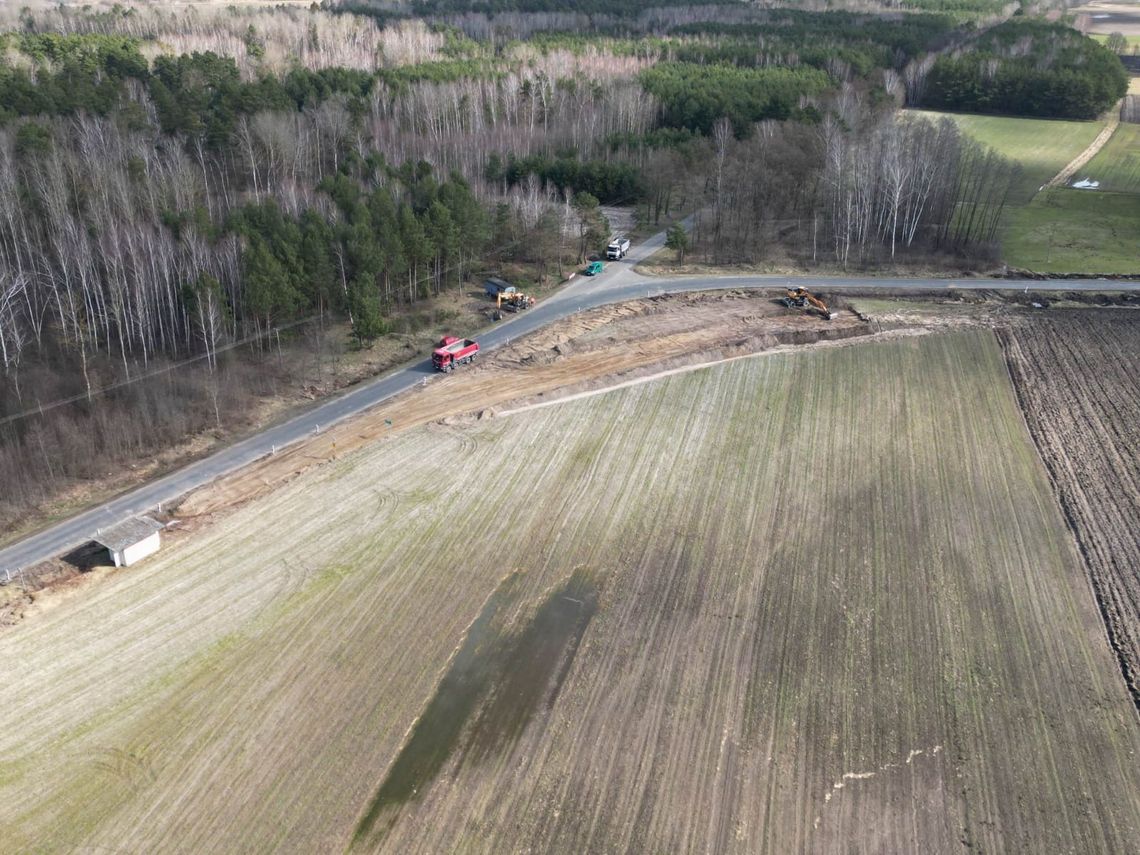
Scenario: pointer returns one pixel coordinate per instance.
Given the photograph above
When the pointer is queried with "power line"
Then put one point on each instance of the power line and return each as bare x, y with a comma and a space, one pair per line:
127, 381
40, 409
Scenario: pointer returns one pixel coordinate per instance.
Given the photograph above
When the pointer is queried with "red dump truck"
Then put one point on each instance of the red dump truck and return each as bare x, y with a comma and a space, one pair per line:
453, 351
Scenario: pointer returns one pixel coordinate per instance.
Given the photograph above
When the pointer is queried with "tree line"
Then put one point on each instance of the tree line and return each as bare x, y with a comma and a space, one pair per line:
630, 8
826, 40
1028, 67
197, 94
696, 96
861, 187
611, 182
261, 39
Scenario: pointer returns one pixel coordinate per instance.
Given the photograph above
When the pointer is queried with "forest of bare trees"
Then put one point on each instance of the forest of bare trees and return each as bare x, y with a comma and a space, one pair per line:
181, 187
125, 250
270, 38
868, 187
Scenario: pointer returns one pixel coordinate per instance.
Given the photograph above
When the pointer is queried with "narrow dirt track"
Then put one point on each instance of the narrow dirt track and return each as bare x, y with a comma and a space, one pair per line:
1062, 177
590, 349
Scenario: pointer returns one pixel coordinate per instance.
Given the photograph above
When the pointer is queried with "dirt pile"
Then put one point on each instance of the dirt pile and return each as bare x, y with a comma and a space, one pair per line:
589, 350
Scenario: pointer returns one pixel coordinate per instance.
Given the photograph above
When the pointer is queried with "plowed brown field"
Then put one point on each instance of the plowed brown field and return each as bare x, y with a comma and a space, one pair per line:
818, 601
1077, 374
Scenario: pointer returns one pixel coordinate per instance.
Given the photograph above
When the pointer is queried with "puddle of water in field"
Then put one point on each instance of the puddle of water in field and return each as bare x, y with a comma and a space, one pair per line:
495, 684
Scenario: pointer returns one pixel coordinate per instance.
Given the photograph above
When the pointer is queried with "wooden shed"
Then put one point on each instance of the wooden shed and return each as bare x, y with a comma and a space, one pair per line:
132, 540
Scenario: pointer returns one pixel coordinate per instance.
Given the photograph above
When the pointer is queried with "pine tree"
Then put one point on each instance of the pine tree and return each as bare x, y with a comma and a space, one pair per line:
417, 250
444, 238
367, 318
319, 279
677, 239
593, 227
268, 292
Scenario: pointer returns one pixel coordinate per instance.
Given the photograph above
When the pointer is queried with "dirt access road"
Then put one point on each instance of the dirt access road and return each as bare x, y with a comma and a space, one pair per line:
618, 283
1062, 177
593, 348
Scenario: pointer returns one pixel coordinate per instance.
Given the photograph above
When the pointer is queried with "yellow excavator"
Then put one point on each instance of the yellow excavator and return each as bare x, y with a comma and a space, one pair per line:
511, 301
801, 298
514, 301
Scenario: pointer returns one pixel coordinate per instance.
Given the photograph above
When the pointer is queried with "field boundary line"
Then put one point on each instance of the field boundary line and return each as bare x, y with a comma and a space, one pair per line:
887, 335
1089, 153
1079, 539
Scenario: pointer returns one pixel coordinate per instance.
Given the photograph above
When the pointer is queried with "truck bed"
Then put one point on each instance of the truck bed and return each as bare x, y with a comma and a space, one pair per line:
457, 346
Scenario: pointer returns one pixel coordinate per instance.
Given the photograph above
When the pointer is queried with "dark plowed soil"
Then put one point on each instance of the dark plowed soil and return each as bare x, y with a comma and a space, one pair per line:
1077, 375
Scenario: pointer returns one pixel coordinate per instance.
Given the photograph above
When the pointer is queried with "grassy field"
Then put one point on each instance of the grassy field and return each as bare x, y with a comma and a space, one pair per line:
1130, 40
815, 601
1117, 165
1065, 230
1041, 146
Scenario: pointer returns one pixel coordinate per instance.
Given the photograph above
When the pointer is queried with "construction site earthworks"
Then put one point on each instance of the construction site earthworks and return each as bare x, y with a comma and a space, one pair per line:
688, 573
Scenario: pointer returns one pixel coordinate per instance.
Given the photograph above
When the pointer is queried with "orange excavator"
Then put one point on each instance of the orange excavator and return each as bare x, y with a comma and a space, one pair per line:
801, 298
513, 301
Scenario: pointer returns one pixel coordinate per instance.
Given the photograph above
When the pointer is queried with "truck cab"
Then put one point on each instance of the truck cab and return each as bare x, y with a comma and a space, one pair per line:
453, 351
617, 248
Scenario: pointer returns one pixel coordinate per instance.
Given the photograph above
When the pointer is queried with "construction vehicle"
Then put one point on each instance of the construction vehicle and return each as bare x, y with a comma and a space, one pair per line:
617, 248
453, 351
801, 298
513, 301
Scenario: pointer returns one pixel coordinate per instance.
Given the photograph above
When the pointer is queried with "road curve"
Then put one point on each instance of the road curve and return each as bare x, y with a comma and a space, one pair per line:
619, 282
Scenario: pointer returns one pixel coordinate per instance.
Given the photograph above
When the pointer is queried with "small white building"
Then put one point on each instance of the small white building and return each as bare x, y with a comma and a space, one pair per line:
132, 540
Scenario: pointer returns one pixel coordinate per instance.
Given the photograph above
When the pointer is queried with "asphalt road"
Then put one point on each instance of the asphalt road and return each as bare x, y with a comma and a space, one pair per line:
617, 283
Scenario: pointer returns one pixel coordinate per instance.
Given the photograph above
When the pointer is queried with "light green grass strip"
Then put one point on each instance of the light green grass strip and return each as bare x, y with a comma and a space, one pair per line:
1041, 146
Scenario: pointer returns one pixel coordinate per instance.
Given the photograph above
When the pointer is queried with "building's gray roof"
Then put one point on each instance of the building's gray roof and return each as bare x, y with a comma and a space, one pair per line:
128, 533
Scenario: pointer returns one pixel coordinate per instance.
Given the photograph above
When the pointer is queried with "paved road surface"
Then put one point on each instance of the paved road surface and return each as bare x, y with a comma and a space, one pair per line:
617, 283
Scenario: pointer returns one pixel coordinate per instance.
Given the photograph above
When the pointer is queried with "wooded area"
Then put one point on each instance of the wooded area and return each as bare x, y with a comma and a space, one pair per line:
864, 187
181, 187
1028, 67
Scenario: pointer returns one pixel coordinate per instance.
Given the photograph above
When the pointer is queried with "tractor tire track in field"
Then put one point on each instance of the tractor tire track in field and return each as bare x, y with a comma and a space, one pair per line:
759, 643
1077, 378
809, 567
